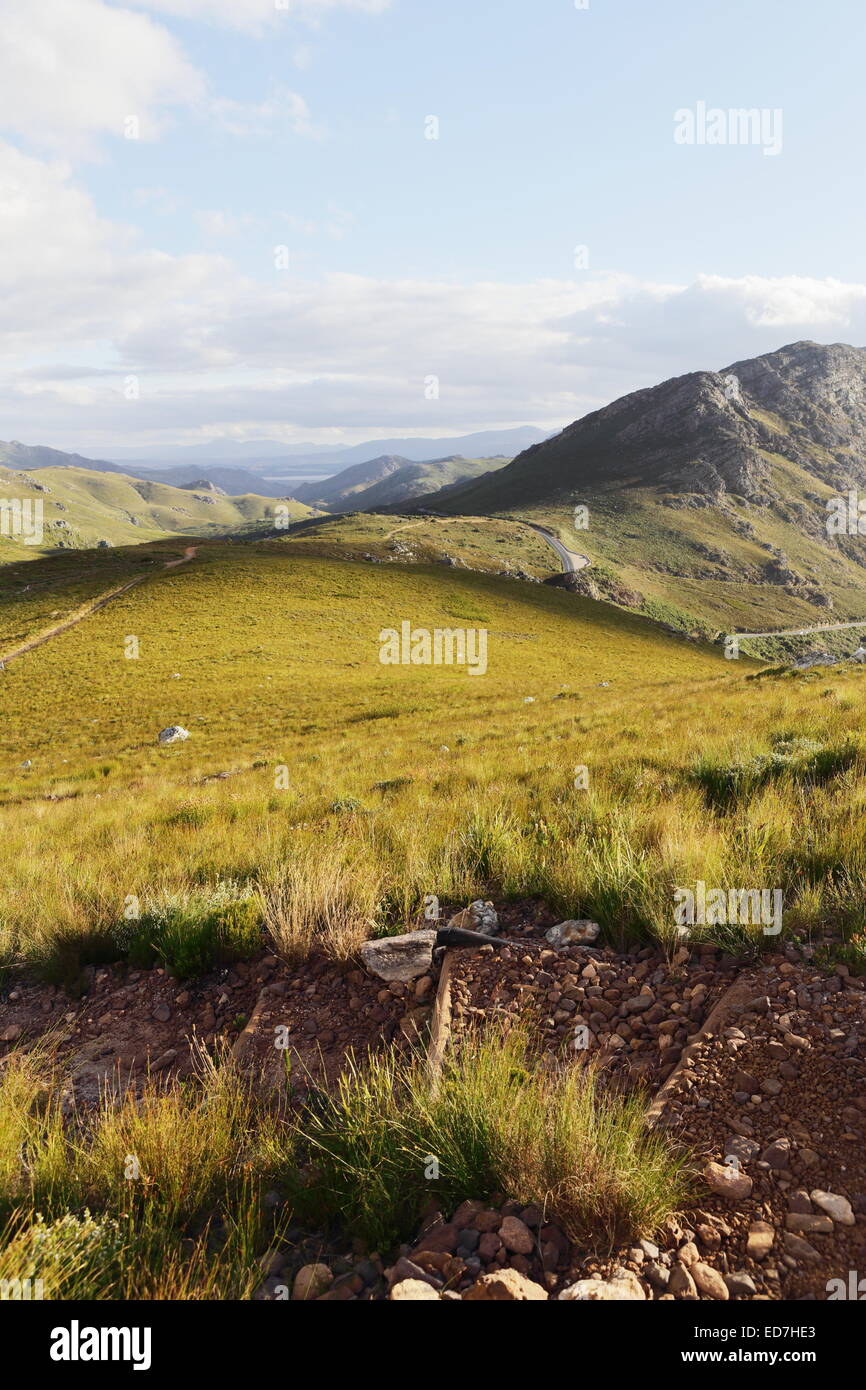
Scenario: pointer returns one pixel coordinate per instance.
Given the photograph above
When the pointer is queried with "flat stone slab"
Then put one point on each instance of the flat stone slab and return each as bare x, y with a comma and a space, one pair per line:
401, 958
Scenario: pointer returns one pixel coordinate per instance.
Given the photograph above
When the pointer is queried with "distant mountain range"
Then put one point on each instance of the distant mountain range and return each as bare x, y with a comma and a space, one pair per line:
288, 474
264, 455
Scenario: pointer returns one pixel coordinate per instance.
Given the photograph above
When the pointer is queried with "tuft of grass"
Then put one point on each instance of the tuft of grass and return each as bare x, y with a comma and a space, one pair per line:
387, 1141
801, 760
320, 900
194, 931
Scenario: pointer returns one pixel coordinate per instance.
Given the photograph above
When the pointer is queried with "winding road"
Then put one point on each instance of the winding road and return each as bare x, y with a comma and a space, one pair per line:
572, 561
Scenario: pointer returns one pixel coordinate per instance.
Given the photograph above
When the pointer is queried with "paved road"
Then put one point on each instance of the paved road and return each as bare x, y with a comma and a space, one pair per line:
801, 631
571, 560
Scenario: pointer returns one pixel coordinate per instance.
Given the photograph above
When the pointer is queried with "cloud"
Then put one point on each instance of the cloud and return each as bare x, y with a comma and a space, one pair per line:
254, 16
86, 304
283, 109
72, 70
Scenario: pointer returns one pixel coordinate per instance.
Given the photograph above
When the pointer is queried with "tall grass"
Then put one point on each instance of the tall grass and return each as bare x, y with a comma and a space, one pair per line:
156, 1196
386, 1142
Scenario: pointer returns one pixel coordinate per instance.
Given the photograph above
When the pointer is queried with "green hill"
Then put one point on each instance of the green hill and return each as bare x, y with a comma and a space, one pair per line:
389, 482
596, 763
82, 509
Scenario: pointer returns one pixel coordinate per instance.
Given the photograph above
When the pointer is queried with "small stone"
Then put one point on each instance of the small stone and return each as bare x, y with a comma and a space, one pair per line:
839, 1208
802, 1224
407, 1269
311, 1282
12, 1033
726, 1182
271, 1262
505, 1285
516, 1236
798, 1248
709, 1281
778, 1154
162, 1013
740, 1284
681, 1284
760, 1242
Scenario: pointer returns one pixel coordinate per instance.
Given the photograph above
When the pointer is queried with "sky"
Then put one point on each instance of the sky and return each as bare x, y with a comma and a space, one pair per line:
330, 220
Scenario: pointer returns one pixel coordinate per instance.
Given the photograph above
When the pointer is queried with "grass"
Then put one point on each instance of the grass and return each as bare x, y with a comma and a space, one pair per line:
340, 812
155, 1197
162, 1195
386, 1144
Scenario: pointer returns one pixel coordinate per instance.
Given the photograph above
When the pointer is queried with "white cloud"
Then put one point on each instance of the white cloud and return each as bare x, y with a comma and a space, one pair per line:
282, 109
257, 15
71, 70
85, 304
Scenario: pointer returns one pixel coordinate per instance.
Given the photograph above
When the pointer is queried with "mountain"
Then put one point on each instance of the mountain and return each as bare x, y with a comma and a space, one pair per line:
707, 495
351, 482
82, 508
390, 481
16, 455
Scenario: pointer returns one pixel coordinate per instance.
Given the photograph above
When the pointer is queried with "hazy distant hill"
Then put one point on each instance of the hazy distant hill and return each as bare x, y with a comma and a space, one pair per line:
390, 482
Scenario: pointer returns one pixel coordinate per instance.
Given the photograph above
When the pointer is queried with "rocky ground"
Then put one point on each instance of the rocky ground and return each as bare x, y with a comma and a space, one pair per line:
759, 1067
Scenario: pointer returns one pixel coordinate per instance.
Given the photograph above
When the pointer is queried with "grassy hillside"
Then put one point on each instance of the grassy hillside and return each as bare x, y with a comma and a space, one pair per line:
82, 508
479, 543
344, 791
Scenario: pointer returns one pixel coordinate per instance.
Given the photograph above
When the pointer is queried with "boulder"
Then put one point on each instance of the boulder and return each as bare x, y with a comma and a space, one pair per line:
173, 734
402, 958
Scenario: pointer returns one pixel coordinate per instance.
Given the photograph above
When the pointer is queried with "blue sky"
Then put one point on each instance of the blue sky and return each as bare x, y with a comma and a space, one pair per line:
145, 303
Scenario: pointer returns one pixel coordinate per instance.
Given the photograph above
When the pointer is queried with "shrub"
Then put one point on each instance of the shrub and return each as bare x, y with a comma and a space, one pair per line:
193, 931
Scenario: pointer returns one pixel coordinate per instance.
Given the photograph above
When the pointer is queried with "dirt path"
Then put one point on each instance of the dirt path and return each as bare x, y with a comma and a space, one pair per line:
89, 608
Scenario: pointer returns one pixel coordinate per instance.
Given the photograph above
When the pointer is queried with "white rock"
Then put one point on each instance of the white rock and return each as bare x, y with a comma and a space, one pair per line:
173, 734
401, 958
571, 933
625, 1288
478, 916
834, 1205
